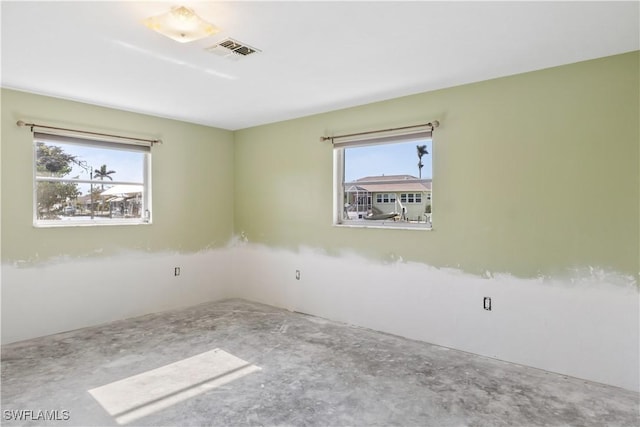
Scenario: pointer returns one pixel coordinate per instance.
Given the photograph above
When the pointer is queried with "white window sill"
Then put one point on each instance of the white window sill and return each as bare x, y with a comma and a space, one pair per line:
387, 225
88, 223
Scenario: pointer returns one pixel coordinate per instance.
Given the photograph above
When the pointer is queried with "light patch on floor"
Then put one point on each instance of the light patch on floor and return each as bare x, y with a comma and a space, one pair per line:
140, 395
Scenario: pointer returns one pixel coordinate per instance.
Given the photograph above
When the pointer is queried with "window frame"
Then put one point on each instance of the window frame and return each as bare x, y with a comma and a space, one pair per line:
339, 189
51, 138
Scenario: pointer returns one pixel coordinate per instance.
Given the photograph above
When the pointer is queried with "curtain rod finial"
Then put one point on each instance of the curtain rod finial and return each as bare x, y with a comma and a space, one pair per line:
20, 123
435, 123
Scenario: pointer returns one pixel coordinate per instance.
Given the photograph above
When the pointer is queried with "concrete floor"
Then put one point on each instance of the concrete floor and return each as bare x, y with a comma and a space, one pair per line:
312, 372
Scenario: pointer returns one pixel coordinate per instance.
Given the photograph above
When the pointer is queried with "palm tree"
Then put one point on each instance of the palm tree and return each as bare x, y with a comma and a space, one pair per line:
422, 150
102, 173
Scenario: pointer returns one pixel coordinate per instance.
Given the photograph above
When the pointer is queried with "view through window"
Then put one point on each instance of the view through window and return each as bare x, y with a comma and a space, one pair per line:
81, 181
387, 184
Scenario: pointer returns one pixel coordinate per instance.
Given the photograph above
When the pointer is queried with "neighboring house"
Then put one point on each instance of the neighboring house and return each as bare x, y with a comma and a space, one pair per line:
387, 194
117, 200
83, 203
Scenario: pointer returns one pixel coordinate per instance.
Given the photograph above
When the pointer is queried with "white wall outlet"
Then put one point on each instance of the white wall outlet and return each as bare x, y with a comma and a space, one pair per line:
297, 274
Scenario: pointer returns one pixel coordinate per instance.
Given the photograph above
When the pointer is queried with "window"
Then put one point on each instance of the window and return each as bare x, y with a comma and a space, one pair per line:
392, 168
412, 197
385, 198
80, 181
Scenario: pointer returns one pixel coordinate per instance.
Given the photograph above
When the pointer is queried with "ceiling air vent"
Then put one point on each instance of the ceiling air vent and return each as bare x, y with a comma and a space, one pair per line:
232, 49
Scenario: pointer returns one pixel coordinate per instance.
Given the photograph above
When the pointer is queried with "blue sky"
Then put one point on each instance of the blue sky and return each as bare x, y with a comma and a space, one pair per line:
128, 165
388, 159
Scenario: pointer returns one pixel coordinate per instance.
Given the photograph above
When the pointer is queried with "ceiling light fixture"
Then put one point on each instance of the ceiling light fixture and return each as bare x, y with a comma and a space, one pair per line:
181, 24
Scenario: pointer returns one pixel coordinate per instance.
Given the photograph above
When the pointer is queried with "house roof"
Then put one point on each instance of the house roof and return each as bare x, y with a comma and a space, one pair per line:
389, 184
386, 178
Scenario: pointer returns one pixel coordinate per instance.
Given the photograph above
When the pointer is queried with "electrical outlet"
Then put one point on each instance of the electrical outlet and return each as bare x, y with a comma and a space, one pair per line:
176, 271
297, 274
487, 303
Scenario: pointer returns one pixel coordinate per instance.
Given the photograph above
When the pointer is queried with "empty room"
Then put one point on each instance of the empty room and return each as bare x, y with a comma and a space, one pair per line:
320, 213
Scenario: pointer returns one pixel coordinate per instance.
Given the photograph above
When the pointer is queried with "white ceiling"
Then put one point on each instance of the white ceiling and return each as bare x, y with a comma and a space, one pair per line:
316, 56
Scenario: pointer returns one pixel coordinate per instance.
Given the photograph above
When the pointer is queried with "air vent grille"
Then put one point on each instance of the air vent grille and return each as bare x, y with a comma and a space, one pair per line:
229, 47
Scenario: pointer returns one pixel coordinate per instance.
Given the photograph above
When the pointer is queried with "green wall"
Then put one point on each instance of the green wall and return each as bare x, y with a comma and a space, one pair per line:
534, 174
192, 178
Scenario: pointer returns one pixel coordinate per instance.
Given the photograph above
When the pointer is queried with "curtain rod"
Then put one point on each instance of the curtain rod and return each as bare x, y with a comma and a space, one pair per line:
434, 124
32, 125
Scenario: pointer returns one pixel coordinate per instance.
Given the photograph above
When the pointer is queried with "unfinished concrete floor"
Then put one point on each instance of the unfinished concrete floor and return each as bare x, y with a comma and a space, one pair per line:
312, 372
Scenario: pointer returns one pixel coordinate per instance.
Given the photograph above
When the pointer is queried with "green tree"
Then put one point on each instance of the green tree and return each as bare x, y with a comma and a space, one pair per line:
52, 161
422, 150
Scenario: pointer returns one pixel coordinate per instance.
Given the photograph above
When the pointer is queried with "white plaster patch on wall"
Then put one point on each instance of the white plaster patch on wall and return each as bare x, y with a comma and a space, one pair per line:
69, 293
584, 325
238, 240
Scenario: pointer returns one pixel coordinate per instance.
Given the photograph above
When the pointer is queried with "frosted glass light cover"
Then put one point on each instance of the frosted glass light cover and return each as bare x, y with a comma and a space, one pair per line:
181, 24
